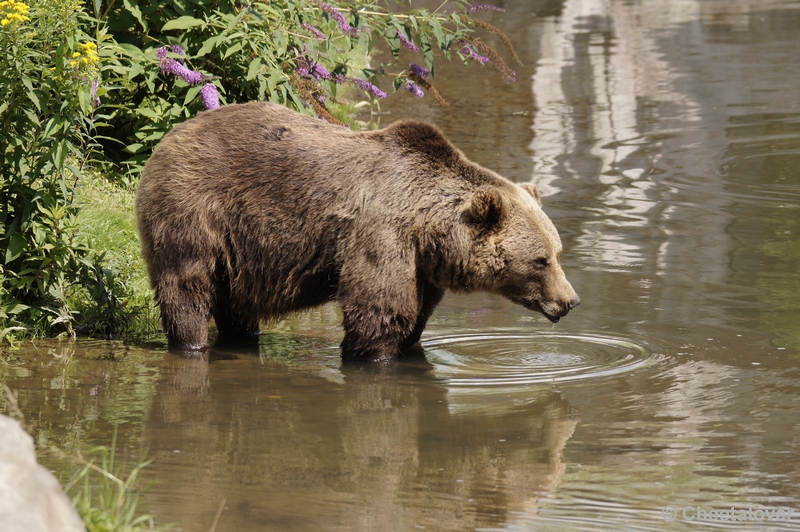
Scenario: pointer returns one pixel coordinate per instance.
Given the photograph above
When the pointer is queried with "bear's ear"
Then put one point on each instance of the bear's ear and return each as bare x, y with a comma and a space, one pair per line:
533, 191
485, 210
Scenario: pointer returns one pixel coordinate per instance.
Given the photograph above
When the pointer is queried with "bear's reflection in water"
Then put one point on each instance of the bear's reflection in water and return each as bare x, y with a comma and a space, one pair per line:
306, 443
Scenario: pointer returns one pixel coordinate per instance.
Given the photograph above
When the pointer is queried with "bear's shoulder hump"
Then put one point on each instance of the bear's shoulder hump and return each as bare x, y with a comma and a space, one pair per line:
424, 138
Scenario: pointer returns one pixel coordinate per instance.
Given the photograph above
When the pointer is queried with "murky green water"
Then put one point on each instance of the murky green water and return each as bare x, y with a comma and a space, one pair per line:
666, 136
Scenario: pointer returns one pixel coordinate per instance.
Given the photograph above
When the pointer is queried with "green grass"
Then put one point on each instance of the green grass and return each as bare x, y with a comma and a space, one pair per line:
107, 223
106, 500
107, 219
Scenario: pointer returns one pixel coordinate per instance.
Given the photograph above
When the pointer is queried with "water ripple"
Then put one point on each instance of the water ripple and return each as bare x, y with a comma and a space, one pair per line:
536, 358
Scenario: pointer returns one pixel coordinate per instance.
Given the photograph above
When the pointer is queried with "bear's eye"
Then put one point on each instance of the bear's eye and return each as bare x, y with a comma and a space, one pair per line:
541, 263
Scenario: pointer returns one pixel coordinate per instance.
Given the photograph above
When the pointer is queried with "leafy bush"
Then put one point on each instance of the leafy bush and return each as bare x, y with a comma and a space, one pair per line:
50, 75
46, 64
167, 57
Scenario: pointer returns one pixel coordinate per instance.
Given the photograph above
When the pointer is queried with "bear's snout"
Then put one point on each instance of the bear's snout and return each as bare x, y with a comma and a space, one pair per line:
555, 310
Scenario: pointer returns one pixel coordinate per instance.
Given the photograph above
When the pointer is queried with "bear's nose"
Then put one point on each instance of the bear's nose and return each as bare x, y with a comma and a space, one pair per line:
574, 302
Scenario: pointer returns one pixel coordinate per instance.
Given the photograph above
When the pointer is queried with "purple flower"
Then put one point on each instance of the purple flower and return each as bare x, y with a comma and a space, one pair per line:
408, 44
418, 70
414, 89
315, 32
176, 49
210, 96
472, 54
161, 53
320, 72
176, 68
309, 69
361, 84
327, 8
367, 86
484, 7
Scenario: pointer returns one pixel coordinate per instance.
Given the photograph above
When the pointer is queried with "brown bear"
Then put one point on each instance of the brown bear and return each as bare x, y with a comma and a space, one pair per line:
252, 211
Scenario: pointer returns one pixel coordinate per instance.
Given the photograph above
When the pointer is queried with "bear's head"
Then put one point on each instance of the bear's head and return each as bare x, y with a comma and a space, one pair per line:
516, 250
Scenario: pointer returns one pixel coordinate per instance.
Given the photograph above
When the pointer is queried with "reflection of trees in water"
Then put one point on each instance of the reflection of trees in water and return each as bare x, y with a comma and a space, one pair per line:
289, 449
633, 110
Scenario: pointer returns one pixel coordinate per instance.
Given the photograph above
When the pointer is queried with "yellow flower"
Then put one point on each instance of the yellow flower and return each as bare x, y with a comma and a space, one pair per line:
76, 54
13, 11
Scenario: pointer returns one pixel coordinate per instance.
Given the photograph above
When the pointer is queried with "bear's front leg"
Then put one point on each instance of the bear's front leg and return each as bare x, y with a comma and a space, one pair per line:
374, 335
185, 310
378, 296
429, 297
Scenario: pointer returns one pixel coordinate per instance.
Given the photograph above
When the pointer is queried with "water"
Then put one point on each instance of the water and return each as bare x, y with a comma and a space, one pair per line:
666, 138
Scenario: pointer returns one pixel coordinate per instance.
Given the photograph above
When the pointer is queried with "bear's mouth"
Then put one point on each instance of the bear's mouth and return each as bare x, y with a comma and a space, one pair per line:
554, 319
537, 306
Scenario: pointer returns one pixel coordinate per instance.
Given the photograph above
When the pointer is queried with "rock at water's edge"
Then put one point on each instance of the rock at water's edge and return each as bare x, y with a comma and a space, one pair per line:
31, 499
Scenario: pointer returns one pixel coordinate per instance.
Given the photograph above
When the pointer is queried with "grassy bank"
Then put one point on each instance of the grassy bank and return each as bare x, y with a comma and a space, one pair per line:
107, 224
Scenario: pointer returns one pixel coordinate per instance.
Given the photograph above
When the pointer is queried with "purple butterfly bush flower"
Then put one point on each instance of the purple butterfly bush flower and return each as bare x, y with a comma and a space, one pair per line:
338, 17
484, 7
320, 72
309, 69
361, 84
470, 52
408, 44
210, 96
367, 86
414, 89
208, 92
315, 32
419, 71
177, 68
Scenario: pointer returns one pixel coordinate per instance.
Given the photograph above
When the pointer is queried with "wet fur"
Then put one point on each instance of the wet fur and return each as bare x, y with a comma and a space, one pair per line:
249, 212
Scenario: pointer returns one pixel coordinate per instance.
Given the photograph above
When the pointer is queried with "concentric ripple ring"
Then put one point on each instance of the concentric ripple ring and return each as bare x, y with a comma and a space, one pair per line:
534, 358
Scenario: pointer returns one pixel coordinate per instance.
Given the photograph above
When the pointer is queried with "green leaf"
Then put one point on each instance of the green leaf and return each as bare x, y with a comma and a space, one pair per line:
253, 69
273, 79
16, 245
182, 23
280, 42
134, 148
209, 45
233, 49
149, 113
53, 126
191, 94
436, 26
134, 10
60, 153
31, 95
426, 50
15, 308
130, 49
